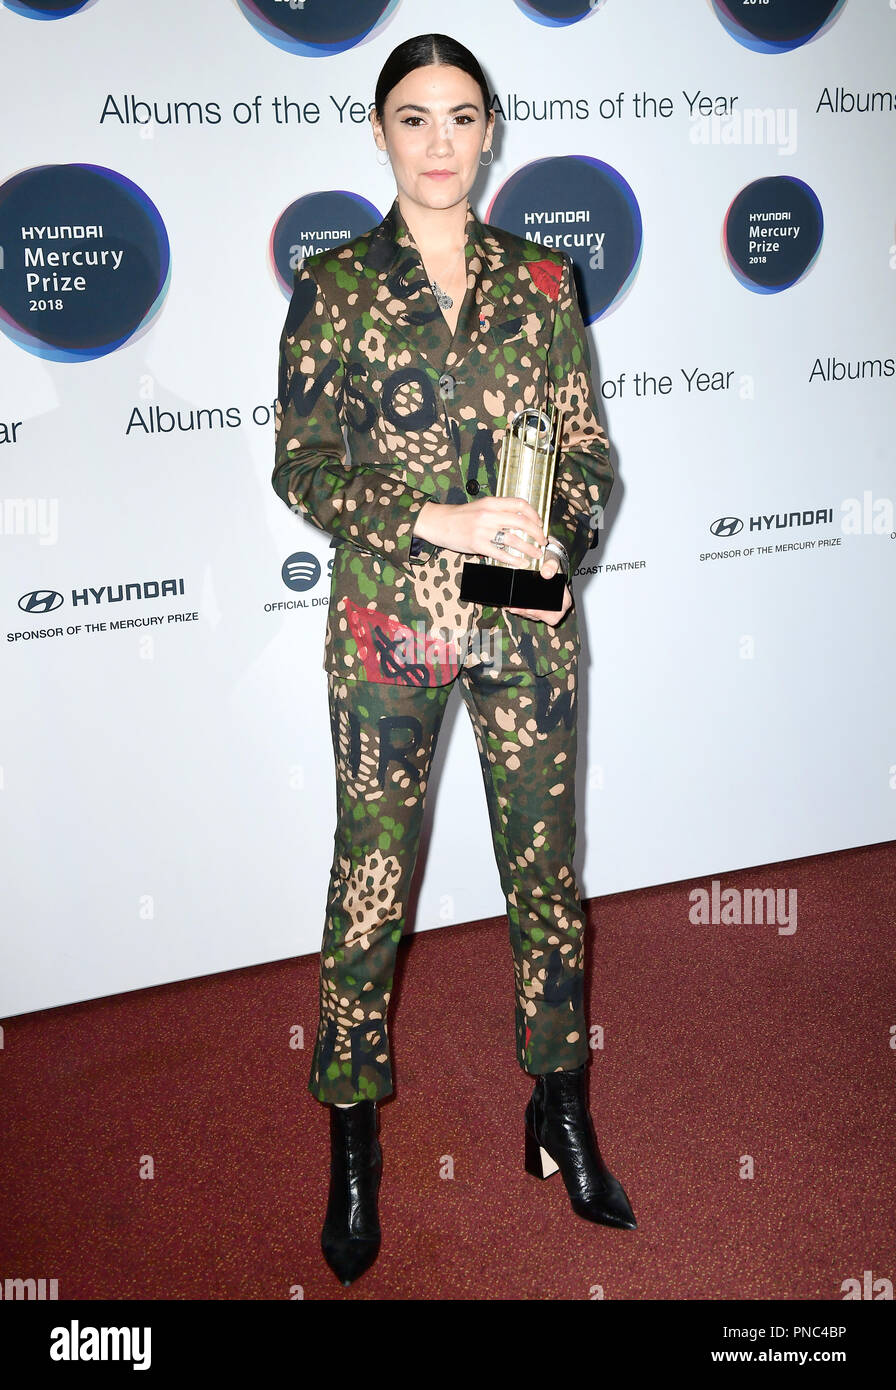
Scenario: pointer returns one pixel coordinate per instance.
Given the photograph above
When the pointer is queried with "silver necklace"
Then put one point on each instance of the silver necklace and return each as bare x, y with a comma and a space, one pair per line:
444, 300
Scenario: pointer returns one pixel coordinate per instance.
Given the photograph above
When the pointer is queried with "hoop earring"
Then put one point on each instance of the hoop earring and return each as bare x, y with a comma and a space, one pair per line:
487, 162
382, 162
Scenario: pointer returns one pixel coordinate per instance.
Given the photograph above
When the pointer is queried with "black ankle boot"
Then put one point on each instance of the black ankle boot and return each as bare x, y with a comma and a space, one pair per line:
350, 1239
560, 1134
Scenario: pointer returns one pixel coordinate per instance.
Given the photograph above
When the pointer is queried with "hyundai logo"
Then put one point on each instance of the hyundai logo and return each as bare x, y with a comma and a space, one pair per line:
727, 526
40, 601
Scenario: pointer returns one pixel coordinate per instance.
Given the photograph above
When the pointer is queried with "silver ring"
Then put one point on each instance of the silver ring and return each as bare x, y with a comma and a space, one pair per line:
498, 540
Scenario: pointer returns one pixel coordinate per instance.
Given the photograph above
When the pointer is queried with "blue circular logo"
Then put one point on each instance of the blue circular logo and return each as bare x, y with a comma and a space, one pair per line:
87, 261
557, 13
772, 233
317, 28
301, 571
777, 26
585, 208
315, 223
47, 9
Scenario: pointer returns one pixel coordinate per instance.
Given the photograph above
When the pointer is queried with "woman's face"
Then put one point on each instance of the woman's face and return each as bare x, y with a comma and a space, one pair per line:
434, 129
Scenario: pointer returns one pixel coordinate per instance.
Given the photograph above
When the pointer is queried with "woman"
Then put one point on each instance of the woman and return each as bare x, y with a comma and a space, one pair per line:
419, 339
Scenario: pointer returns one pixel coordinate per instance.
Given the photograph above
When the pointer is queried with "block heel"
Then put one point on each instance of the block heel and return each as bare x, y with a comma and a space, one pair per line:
538, 1161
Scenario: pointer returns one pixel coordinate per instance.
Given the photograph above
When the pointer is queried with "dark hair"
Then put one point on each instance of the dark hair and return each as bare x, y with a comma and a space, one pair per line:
422, 52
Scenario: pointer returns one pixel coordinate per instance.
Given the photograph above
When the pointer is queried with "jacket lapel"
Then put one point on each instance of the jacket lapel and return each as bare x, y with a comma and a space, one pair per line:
485, 301
404, 302
493, 283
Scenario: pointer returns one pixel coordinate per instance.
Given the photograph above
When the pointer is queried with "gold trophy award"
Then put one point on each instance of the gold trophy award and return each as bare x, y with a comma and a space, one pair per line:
526, 469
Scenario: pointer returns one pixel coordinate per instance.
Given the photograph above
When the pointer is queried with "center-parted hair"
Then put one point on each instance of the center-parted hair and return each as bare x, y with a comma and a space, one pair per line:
423, 51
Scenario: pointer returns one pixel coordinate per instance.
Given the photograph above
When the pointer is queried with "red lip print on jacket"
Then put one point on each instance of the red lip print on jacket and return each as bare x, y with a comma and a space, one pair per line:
546, 276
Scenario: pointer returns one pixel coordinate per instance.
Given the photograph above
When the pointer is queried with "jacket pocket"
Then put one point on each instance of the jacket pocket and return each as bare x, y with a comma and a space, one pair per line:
508, 330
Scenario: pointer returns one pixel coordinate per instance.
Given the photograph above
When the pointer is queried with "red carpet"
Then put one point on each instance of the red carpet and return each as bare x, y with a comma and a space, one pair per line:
720, 1042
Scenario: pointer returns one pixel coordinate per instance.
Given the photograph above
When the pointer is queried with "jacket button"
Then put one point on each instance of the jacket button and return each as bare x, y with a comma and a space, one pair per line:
446, 386
472, 487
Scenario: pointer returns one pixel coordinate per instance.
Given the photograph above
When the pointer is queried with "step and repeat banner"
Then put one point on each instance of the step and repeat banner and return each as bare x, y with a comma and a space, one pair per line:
721, 172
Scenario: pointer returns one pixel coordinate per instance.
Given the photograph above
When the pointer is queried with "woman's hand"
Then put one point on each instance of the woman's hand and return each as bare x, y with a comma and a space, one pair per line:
471, 527
542, 615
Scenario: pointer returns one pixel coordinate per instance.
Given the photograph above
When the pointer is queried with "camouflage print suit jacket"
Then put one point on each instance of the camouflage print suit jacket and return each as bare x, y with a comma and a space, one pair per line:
367, 358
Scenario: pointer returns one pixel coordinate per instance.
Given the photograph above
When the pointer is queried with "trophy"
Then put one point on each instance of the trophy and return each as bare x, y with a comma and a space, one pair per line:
526, 469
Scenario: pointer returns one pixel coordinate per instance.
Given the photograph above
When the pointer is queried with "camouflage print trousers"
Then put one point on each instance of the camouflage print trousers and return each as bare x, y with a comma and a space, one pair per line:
384, 737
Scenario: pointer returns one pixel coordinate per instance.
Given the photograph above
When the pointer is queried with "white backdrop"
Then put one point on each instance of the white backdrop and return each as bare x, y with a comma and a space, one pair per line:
167, 792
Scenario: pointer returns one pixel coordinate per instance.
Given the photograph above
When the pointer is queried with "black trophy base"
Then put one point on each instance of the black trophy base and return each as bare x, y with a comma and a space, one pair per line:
498, 586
